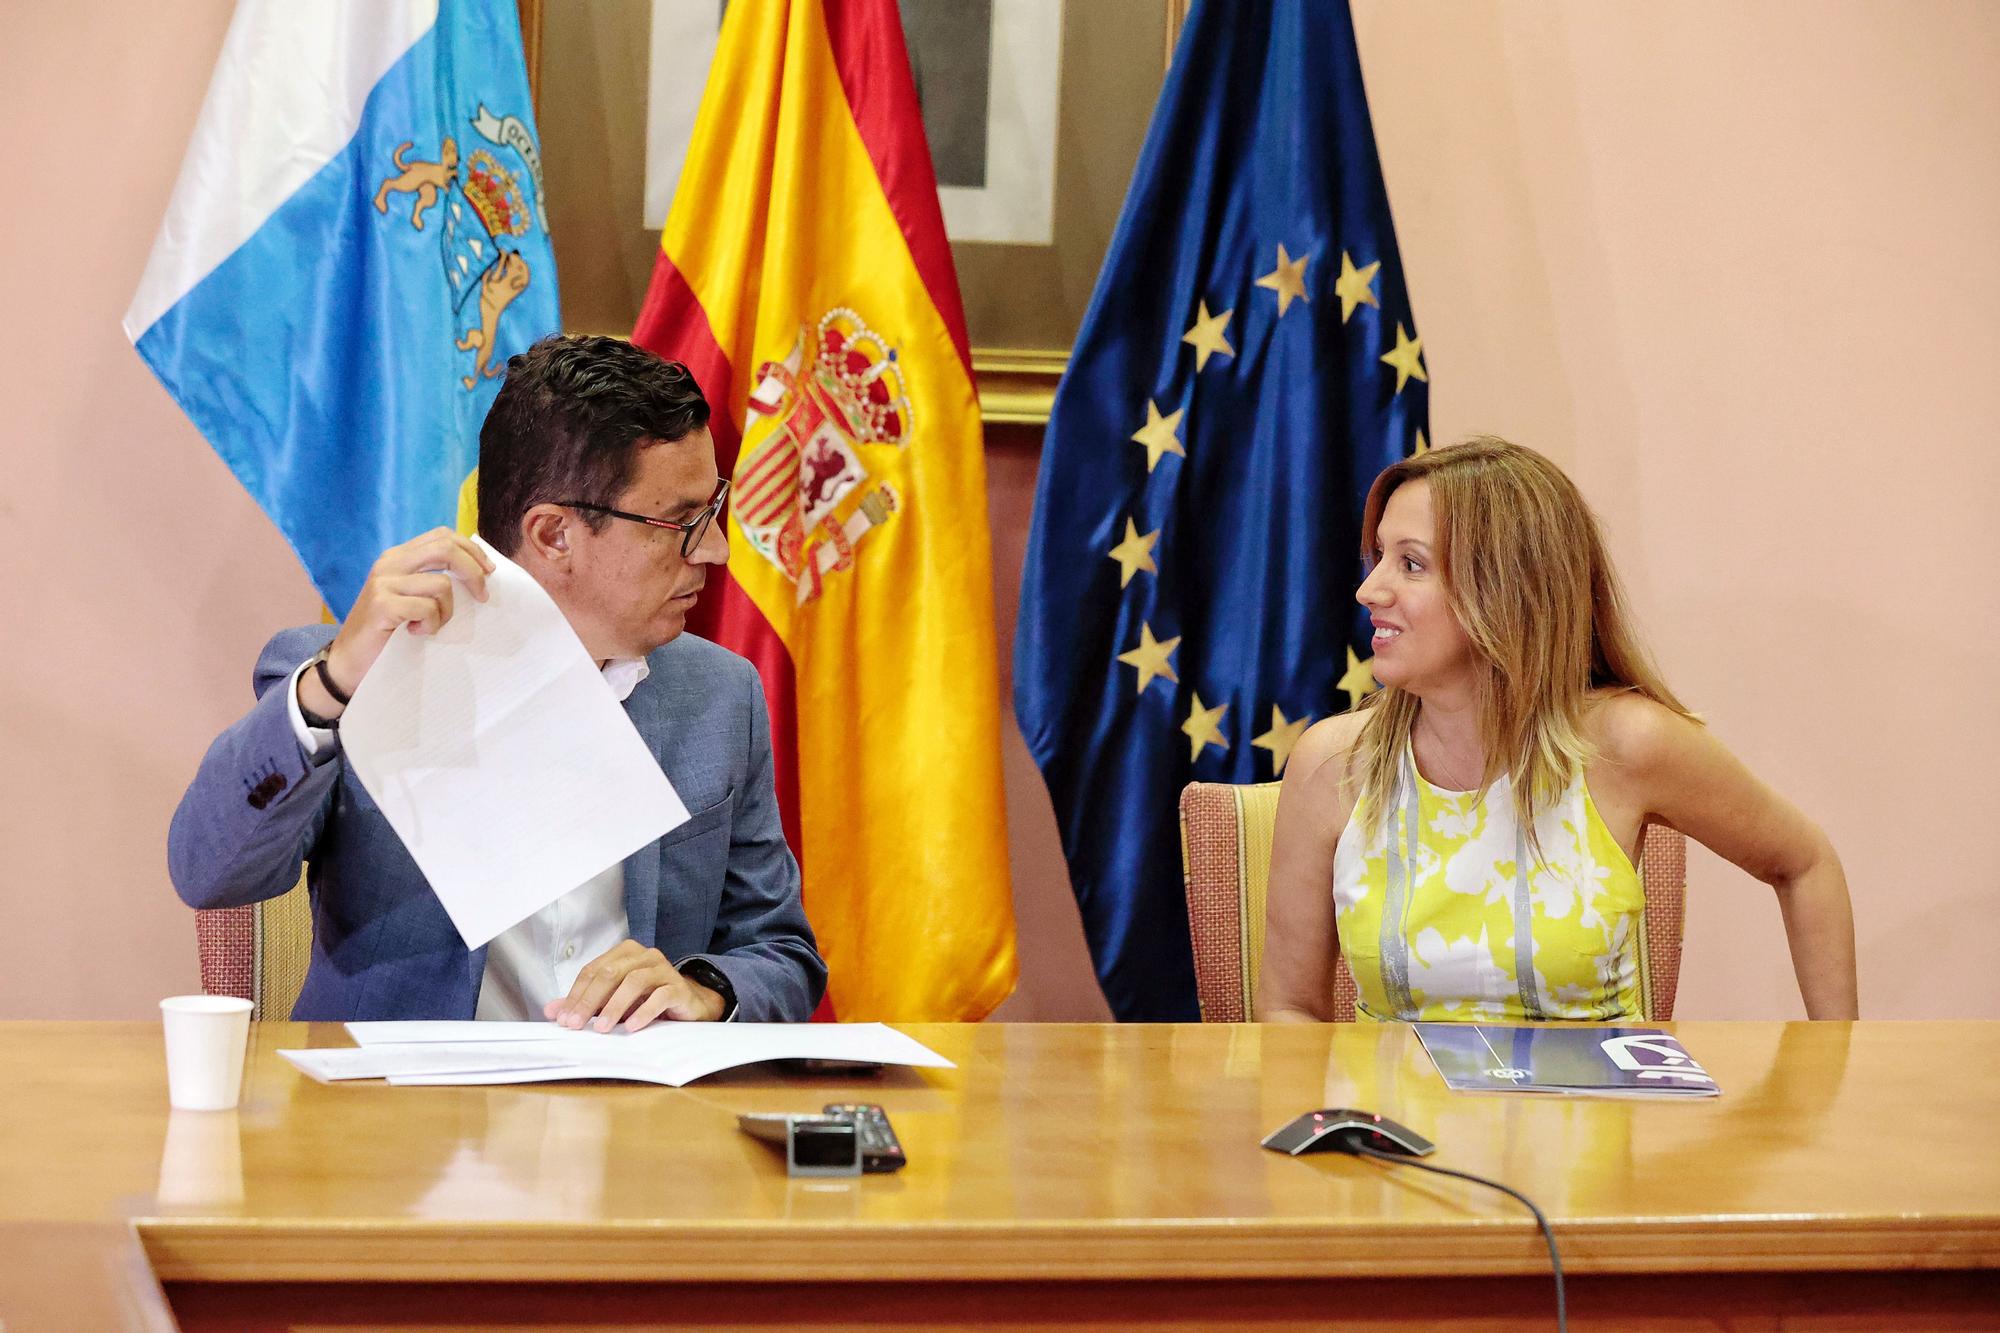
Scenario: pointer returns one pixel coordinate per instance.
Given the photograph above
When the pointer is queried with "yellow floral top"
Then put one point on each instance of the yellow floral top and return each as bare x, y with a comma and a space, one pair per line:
1431, 902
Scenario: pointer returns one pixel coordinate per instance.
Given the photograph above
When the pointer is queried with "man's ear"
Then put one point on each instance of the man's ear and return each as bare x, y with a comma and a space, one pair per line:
545, 533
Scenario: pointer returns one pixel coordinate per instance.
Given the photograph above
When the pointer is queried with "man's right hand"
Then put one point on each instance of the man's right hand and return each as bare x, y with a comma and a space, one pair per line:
410, 585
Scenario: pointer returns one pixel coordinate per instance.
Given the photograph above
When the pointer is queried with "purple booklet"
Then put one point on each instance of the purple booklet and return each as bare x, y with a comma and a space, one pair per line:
1577, 1062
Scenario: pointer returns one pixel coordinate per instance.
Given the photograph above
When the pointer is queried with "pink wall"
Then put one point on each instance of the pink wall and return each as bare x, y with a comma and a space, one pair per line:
137, 580
1733, 264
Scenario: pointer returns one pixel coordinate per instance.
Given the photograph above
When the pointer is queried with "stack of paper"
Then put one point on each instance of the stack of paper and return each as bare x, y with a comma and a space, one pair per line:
668, 1053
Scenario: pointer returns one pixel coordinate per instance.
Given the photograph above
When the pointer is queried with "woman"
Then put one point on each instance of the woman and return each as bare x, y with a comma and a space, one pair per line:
1503, 774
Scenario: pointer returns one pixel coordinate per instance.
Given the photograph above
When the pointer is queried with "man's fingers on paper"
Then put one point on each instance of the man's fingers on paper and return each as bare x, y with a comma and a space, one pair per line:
593, 986
639, 983
425, 549
601, 976
424, 601
443, 544
653, 1006
684, 1003
439, 550
468, 562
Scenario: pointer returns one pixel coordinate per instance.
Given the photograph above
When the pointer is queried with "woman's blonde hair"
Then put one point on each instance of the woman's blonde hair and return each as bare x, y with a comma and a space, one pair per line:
1527, 577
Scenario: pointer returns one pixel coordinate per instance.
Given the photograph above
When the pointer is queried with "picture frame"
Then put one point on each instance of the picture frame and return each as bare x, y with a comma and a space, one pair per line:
590, 69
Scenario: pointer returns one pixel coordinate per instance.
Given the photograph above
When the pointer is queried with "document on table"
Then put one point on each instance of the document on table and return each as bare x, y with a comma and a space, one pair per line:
1574, 1062
330, 1064
502, 759
668, 1053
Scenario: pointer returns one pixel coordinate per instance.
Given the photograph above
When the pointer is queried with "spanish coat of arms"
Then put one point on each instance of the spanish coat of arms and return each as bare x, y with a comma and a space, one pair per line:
804, 495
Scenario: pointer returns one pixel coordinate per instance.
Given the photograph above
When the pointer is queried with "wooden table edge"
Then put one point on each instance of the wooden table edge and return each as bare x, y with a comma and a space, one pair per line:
230, 1250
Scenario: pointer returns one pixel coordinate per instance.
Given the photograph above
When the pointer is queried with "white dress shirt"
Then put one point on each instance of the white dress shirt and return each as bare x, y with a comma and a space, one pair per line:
536, 961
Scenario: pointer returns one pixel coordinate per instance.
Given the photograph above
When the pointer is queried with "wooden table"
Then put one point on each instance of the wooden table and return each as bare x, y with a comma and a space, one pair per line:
1061, 1174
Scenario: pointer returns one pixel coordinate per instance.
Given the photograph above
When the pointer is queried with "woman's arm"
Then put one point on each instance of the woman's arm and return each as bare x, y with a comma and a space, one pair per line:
1296, 985
1690, 780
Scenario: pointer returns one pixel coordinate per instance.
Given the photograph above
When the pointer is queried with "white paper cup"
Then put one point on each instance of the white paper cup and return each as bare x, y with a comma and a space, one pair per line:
206, 1035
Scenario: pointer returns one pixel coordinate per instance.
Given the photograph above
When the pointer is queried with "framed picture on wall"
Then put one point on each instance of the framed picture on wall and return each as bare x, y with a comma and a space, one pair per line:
1035, 110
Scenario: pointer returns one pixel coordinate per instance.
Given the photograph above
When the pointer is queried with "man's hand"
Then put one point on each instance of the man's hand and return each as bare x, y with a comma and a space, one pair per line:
410, 585
636, 984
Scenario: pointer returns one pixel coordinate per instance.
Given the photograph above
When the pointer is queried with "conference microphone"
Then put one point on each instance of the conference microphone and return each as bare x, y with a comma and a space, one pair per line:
1366, 1134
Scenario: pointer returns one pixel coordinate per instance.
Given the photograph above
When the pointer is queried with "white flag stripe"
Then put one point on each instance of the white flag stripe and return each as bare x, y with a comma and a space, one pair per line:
287, 95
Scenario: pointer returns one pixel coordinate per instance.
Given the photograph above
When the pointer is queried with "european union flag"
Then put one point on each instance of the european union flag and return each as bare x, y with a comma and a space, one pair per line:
1248, 363
356, 245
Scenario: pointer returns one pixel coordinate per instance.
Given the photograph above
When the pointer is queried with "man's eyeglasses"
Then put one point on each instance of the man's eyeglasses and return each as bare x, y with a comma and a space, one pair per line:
692, 530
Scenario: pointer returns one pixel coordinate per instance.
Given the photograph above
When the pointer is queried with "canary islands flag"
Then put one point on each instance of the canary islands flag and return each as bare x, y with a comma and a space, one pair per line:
805, 279
356, 244
1247, 364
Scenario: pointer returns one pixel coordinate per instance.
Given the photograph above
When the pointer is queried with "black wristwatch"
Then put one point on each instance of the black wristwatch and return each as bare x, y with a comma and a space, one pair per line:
704, 973
312, 719
327, 681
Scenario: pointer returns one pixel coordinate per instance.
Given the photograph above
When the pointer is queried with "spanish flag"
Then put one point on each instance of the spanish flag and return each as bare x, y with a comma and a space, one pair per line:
805, 279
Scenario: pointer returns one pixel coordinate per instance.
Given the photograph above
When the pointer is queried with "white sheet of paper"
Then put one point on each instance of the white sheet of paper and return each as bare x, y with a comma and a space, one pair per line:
502, 759
403, 1032
330, 1064
551, 1074
669, 1053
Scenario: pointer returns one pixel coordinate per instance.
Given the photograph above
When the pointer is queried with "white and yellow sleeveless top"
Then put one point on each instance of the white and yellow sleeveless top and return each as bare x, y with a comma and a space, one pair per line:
1446, 914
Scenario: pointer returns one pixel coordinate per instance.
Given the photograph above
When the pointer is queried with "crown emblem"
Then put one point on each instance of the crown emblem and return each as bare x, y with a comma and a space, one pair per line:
864, 379
804, 497
495, 195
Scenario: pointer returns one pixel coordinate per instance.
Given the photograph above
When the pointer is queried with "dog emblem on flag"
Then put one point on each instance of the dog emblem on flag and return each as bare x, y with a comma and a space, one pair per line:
803, 493
483, 206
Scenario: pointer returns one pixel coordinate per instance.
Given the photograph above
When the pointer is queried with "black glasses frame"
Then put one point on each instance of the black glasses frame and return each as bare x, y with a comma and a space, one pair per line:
692, 530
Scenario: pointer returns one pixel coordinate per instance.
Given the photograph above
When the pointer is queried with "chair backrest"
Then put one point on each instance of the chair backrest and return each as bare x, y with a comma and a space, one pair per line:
259, 952
1226, 857
1663, 874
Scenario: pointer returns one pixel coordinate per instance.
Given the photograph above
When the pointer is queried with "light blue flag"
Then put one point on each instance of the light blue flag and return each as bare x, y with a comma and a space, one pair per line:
357, 243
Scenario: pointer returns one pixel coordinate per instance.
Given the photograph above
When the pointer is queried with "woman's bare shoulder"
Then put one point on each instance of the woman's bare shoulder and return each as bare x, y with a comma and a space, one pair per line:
1319, 779
1632, 731
1326, 751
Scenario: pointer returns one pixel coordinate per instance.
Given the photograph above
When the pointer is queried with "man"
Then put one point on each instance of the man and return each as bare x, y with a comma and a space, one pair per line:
597, 476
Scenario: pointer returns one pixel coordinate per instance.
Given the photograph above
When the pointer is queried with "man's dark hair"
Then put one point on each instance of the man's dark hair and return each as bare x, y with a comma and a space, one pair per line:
568, 424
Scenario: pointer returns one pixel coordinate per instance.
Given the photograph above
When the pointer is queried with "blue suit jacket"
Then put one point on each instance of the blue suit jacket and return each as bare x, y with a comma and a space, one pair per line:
723, 885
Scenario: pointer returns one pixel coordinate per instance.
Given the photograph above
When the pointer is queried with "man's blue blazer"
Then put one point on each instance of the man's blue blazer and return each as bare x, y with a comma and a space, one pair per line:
723, 886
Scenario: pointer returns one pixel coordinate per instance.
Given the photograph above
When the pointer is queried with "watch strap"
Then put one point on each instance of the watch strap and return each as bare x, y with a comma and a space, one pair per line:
326, 678
315, 721
705, 973
306, 715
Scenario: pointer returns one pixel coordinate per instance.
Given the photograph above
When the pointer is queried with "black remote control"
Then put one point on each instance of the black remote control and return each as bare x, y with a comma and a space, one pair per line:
880, 1150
